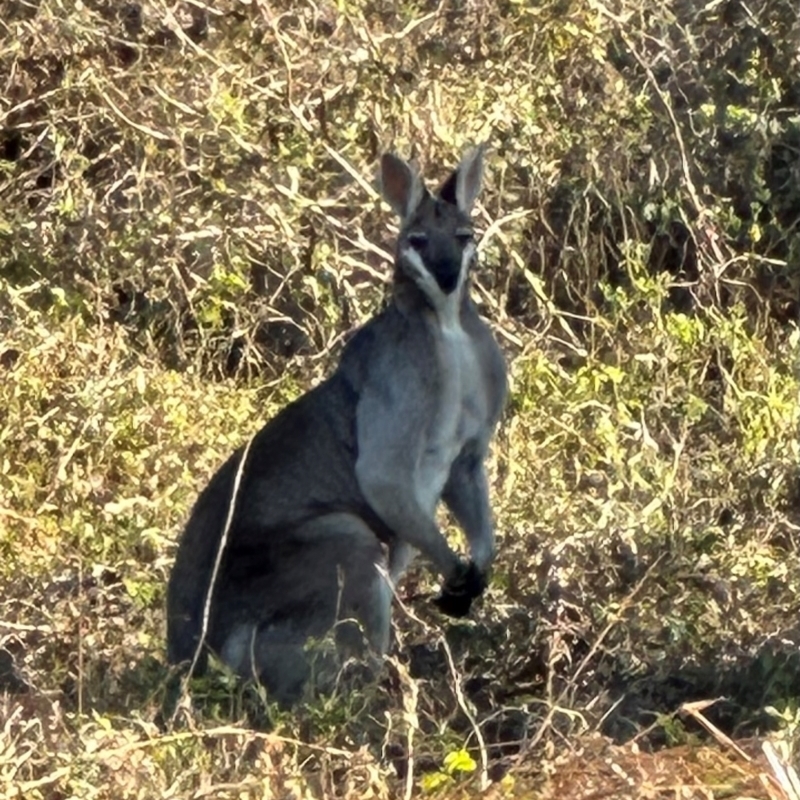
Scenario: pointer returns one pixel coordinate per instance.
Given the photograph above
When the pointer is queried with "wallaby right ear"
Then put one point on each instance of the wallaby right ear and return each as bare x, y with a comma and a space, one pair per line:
464, 183
401, 186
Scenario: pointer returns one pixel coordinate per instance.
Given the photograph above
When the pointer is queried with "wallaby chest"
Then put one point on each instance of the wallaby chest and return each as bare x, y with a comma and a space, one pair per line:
460, 412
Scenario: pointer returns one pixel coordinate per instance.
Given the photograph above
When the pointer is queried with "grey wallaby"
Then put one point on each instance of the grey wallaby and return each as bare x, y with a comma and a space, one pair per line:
347, 478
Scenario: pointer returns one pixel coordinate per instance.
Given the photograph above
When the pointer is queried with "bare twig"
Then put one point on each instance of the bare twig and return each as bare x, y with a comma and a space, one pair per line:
217, 562
462, 702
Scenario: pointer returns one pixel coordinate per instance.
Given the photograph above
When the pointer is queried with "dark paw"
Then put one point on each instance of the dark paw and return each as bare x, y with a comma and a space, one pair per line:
457, 594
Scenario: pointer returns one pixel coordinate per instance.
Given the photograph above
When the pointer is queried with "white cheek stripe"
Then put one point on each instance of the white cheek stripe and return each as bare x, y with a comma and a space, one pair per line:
466, 260
424, 279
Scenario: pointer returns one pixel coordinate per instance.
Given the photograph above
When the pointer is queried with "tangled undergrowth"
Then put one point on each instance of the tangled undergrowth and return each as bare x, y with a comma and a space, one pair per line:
189, 228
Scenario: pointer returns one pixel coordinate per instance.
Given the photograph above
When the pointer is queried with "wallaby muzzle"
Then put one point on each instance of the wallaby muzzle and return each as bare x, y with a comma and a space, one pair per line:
447, 275
443, 259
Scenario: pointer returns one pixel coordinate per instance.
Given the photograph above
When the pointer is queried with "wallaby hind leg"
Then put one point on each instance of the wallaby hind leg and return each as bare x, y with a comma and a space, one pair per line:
361, 608
329, 576
277, 652
365, 602
401, 555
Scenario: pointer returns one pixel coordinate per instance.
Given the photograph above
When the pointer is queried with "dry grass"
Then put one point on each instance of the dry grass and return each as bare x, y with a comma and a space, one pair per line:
188, 229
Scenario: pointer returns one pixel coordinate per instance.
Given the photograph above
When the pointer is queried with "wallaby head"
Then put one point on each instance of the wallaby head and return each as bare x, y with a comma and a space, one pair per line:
436, 244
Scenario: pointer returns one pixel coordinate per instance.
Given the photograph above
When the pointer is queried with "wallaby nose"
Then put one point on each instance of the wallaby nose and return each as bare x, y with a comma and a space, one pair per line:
447, 274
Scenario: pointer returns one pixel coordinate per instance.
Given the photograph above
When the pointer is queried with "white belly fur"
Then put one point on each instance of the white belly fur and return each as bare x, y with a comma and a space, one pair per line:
458, 417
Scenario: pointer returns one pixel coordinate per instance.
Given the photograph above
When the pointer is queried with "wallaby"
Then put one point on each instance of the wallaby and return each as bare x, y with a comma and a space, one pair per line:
347, 478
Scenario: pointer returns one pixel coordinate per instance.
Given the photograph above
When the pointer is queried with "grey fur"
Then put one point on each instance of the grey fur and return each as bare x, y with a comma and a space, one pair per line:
349, 475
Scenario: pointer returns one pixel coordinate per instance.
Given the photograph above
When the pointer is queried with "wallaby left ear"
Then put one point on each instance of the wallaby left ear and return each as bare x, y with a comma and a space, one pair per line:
401, 186
464, 184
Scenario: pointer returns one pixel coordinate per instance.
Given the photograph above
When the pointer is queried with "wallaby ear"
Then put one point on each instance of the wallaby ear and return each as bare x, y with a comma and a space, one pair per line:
447, 191
464, 183
401, 186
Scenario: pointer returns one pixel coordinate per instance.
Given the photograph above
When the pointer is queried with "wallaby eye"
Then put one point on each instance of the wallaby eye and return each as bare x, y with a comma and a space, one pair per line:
418, 240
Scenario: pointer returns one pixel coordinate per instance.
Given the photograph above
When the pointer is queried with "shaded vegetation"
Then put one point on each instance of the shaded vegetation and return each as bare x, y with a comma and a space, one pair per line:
188, 230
